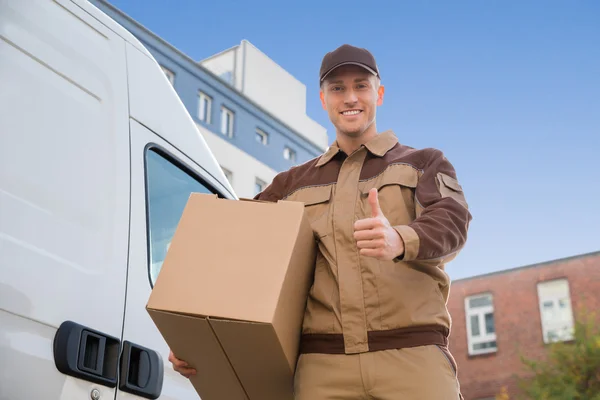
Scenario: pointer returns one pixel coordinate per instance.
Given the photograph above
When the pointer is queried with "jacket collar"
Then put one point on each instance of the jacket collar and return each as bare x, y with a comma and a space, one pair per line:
378, 146
329, 154
382, 143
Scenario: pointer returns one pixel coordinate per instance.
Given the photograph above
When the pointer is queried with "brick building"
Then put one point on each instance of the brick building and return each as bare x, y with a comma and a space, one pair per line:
499, 316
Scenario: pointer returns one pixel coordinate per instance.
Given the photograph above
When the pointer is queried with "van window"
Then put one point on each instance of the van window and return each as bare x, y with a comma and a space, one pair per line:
168, 189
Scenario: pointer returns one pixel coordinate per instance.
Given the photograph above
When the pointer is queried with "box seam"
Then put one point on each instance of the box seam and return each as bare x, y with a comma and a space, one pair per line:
227, 357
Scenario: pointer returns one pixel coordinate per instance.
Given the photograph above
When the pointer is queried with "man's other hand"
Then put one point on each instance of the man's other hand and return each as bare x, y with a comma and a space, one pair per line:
181, 366
374, 236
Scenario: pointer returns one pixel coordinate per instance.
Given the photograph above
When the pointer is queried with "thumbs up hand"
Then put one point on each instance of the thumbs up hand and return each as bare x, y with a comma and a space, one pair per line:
374, 236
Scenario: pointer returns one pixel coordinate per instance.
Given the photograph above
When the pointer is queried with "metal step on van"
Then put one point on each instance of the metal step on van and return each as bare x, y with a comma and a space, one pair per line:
98, 157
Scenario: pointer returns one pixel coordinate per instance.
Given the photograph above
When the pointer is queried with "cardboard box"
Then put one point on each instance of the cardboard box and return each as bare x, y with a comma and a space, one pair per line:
231, 295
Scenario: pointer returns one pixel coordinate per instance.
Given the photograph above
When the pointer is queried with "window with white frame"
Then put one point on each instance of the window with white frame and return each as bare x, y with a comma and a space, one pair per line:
289, 154
204, 107
259, 186
261, 137
555, 310
169, 74
481, 330
227, 118
228, 175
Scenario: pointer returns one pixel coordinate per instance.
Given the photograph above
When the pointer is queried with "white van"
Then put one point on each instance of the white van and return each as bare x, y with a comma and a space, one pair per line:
97, 159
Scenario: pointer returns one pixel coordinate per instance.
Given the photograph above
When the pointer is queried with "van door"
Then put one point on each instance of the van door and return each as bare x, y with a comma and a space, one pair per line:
64, 201
162, 180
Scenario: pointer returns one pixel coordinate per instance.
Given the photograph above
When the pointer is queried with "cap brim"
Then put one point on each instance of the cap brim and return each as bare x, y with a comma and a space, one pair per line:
348, 63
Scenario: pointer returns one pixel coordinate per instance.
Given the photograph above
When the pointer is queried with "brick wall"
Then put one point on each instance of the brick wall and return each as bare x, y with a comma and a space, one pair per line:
517, 319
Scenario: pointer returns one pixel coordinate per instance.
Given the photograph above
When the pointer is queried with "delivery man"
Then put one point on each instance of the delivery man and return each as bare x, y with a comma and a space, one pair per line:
387, 218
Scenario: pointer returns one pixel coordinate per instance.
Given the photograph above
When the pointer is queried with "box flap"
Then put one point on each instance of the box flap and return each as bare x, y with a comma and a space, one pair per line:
193, 340
258, 359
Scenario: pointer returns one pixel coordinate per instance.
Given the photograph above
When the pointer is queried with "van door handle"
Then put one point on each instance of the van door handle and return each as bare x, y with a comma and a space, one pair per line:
142, 371
86, 353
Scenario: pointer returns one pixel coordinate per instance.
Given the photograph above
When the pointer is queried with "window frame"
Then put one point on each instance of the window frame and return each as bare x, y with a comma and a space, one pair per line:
547, 326
484, 336
175, 161
169, 74
228, 174
227, 111
265, 136
261, 183
207, 118
291, 151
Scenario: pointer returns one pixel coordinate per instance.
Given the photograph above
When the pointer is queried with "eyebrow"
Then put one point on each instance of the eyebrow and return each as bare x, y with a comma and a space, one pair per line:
356, 81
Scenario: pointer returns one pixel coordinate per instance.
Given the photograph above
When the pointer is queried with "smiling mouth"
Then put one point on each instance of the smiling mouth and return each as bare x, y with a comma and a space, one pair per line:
351, 112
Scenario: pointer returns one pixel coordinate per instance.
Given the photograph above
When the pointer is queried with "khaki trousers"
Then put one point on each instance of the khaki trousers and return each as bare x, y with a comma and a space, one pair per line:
413, 373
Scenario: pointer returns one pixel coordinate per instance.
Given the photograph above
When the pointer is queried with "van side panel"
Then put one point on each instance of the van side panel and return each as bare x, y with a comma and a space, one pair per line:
64, 189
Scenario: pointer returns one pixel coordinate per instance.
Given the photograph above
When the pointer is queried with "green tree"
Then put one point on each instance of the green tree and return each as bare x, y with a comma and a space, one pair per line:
571, 370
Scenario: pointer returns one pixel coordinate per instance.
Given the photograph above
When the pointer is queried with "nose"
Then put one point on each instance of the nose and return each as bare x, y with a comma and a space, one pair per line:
350, 97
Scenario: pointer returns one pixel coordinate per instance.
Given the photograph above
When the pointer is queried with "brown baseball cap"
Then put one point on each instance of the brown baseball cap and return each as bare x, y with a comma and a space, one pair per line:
347, 54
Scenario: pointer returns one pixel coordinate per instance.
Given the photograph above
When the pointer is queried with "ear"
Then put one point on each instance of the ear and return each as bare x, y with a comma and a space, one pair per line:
322, 96
380, 93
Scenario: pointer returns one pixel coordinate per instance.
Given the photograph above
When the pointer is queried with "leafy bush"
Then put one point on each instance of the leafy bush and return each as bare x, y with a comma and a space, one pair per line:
571, 370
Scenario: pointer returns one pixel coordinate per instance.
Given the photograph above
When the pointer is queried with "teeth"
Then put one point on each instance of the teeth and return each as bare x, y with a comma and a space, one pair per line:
351, 112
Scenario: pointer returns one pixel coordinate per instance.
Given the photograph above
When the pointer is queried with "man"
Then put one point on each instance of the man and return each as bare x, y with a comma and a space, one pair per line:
387, 219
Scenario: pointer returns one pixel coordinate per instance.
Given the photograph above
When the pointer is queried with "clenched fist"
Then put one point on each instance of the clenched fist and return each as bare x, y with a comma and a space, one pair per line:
374, 236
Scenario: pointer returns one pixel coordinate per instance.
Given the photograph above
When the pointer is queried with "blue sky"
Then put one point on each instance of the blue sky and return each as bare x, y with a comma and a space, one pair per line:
510, 91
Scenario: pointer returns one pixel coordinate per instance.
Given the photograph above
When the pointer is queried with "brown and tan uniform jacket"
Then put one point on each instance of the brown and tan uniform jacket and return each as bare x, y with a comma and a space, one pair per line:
358, 303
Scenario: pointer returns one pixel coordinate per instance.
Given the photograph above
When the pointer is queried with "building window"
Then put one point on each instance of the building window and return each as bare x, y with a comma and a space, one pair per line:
261, 137
204, 107
481, 330
259, 186
289, 154
555, 309
228, 175
227, 118
169, 74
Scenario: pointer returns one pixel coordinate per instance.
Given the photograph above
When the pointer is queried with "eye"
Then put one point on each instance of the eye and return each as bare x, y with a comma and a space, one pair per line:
336, 88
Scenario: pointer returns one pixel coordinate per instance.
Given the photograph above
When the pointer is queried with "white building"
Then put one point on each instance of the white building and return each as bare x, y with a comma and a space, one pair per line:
256, 76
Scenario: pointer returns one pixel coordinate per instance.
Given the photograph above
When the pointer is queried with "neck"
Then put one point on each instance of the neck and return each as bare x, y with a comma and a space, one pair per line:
349, 144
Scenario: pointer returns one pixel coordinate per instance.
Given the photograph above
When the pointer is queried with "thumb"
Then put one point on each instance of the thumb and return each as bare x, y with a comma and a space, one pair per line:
374, 202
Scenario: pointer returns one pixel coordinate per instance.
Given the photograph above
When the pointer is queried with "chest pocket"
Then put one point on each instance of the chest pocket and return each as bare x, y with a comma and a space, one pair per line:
396, 193
317, 203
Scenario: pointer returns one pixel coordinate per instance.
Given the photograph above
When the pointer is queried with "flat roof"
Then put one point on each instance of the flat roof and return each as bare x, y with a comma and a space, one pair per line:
536, 265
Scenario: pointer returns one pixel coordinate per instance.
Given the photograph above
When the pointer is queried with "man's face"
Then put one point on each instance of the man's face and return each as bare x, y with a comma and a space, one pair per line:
351, 94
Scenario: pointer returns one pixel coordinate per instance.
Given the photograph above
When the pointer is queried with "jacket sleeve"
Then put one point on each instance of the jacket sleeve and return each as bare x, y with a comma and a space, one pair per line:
275, 190
440, 229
